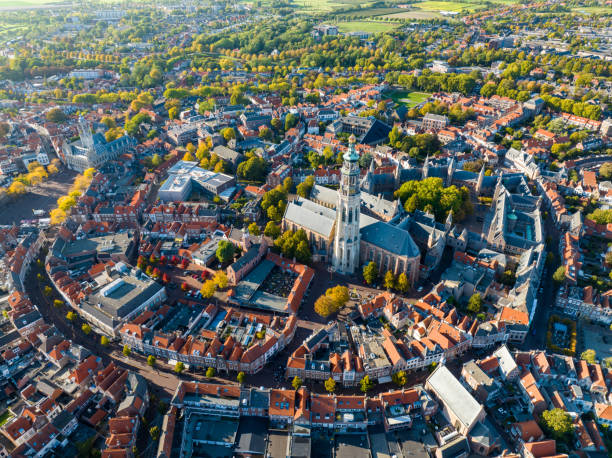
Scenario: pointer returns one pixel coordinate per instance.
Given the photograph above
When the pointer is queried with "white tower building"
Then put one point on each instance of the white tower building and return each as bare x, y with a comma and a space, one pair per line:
345, 257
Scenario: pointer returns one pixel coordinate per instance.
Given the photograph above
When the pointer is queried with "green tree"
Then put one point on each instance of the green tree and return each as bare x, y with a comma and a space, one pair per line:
559, 275
324, 306
154, 432
389, 280
305, 187
400, 378
179, 367
366, 384
302, 252
47, 291
56, 115
228, 133
86, 329
151, 360
557, 424
296, 383
127, 351
403, 285
339, 296
475, 303
104, 341
208, 289
241, 377
291, 121
254, 229
210, 372
253, 169
71, 316
330, 385
272, 230
589, 356
605, 171
220, 279
225, 251
370, 272
431, 194
58, 303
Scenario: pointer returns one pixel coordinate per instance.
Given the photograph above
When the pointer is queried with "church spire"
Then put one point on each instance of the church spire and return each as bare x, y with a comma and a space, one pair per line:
345, 256
480, 180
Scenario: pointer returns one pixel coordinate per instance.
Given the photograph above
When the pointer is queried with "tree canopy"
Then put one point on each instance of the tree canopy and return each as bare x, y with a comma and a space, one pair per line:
557, 423
225, 251
431, 195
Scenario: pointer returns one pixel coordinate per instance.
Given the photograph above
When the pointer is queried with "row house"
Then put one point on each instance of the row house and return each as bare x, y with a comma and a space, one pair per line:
583, 302
222, 355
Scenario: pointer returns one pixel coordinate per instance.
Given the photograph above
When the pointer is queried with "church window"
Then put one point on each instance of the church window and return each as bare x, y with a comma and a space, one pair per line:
350, 219
343, 214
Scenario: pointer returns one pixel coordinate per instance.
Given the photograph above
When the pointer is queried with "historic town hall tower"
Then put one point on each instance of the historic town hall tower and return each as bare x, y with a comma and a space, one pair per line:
345, 257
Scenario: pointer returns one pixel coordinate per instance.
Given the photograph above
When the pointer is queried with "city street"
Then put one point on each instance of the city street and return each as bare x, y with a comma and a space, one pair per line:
162, 378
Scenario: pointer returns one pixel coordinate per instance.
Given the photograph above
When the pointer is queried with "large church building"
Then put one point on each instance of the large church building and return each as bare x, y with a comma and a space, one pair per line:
343, 235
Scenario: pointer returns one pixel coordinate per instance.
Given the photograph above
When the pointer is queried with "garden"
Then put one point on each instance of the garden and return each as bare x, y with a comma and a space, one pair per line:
561, 336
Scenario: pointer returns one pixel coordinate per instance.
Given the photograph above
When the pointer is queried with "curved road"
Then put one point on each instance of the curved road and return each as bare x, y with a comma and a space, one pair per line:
162, 378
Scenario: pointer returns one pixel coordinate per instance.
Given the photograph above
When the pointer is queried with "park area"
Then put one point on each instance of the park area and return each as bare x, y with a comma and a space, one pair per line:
561, 336
407, 98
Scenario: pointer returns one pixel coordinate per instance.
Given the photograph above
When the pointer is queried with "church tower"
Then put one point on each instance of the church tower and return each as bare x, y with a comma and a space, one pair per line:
85, 133
87, 141
345, 257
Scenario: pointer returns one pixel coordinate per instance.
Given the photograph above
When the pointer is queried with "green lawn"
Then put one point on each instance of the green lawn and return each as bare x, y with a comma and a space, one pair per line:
372, 12
25, 3
407, 98
415, 14
433, 5
5, 417
592, 10
365, 26
323, 6
429, 9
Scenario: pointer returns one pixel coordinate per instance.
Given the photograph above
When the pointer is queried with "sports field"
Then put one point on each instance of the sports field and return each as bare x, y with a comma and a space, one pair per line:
407, 98
365, 26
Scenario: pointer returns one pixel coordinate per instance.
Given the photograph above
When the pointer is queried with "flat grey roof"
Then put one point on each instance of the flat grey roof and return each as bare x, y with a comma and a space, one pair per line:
454, 395
129, 293
246, 288
352, 446
252, 433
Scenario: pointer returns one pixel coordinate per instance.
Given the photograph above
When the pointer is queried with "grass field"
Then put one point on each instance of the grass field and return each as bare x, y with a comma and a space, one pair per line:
429, 9
407, 98
415, 14
5, 417
592, 10
433, 5
365, 26
18, 4
324, 6
373, 12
